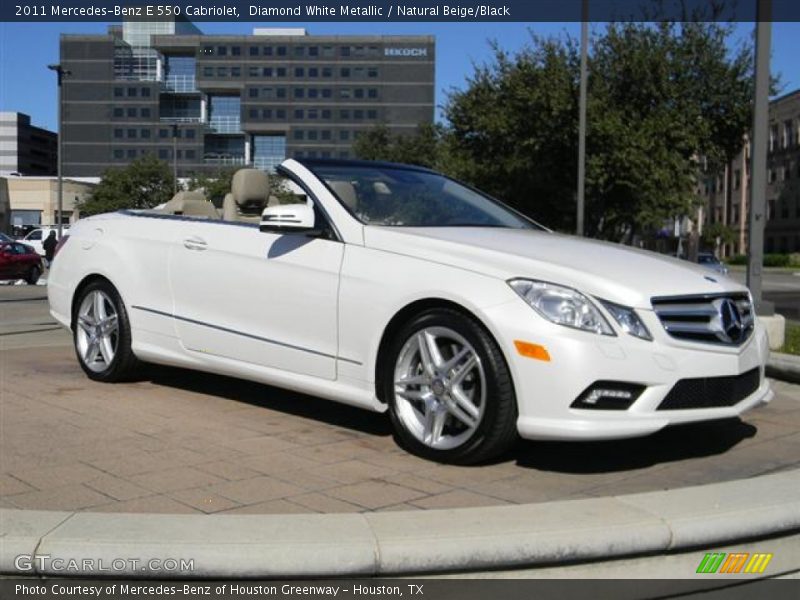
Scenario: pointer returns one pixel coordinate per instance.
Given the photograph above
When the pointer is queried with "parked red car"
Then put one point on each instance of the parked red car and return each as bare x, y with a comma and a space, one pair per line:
18, 261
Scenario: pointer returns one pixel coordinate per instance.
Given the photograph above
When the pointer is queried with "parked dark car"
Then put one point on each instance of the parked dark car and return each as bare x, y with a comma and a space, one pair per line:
19, 261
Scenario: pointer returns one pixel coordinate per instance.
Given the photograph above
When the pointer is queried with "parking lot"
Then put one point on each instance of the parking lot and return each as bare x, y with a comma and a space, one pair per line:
182, 442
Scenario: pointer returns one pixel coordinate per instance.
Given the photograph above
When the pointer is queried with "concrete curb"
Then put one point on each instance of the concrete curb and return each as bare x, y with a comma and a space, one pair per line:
402, 543
784, 366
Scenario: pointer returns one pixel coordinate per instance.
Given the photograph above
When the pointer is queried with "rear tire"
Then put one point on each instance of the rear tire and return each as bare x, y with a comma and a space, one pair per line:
101, 334
33, 275
450, 394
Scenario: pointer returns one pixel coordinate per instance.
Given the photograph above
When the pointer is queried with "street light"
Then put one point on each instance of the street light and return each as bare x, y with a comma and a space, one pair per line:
62, 73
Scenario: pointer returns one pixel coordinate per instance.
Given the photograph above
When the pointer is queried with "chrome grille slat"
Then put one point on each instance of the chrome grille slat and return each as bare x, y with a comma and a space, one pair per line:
700, 318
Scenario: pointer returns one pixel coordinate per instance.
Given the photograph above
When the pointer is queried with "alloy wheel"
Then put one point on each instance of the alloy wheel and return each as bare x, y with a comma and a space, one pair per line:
439, 388
97, 334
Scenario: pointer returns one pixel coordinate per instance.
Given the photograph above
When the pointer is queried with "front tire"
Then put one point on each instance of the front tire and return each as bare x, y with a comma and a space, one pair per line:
449, 390
102, 334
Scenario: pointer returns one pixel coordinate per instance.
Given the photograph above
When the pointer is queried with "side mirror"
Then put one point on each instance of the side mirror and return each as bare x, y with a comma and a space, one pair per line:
289, 218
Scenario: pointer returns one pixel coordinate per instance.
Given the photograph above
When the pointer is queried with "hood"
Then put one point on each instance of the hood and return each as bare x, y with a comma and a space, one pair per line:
610, 271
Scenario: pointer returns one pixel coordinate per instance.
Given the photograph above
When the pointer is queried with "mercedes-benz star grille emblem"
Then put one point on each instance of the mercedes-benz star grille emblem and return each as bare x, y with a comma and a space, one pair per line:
728, 322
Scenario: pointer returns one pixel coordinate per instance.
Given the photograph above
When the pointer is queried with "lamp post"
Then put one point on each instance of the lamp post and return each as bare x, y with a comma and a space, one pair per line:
61, 73
582, 118
175, 157
758, 157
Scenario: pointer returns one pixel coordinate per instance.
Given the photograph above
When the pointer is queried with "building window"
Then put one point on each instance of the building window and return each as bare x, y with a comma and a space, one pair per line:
280, 113
253, 50
327, 71
266, 50
344, 114
145, 92
313, 92
253, 113
131, 153
281, 51
326, 113
280, 92
299, 93
298, 113
281, 72
118, 153
189, 154
313, 113
358, 93
358, 115
328, 52
267, 92
268, 151
118, 92
313, 135
299, 51
372, 72
236, 50
266, 71
208, 50
208, 71
118, 112
344, 51
299, 72
299, 134
190, 134
325, 135
326, 92
313, 72
372, 114
313, 51
131, 113
344, 72
132, 91
145, 112
222, 50
788, 134
253, 93
372, 93
236, 71
145, 133
344, 135
222, 71
345, 93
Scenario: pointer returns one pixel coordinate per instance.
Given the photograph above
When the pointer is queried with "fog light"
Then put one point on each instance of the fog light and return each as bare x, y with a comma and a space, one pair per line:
609, 395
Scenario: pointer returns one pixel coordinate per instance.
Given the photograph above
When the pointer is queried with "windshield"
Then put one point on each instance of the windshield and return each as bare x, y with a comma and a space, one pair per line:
398, 197
707, 259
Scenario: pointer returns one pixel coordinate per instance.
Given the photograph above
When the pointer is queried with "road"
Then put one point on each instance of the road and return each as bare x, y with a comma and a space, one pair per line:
780, 287
177, 441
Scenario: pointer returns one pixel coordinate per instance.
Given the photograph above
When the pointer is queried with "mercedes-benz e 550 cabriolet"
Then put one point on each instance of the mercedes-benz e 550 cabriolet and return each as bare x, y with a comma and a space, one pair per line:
394, 288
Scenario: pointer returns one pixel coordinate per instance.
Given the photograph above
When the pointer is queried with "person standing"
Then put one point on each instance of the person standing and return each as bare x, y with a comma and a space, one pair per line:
49, 246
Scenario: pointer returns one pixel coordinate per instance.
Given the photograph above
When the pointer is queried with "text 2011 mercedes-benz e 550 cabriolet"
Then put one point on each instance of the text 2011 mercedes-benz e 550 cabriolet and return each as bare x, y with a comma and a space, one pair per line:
391, 287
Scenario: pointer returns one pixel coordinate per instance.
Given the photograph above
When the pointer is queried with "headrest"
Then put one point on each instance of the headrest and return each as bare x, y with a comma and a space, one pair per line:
346, 193
250, 188
192, 204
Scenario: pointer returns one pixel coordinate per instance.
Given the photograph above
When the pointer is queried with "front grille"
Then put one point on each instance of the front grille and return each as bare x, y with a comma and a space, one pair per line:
725, 319
711, 392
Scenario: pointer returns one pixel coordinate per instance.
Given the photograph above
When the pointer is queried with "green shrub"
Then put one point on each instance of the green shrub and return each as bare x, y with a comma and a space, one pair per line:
792, 343
739, 259
776, 260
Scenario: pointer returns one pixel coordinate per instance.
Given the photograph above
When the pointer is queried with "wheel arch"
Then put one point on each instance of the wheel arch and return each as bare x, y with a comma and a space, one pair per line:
402, 316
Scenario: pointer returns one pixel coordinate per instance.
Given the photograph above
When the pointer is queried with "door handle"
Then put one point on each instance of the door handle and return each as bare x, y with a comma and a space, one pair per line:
195, 243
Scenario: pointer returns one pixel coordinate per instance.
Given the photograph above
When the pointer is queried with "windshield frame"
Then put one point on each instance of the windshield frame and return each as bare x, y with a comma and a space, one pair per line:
312, 164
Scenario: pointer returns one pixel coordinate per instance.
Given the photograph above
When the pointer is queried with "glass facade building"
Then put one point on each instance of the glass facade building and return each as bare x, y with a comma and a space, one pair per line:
243, 100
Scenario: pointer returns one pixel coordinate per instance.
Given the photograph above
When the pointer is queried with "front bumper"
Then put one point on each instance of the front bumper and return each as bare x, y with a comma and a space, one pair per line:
546, 389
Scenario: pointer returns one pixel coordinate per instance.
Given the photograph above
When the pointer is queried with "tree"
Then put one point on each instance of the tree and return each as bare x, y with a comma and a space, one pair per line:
660, 96
421, 147
213, 186
718, 234
144, 183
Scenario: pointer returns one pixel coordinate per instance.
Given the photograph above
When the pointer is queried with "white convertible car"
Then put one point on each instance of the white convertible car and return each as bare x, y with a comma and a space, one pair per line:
392, 287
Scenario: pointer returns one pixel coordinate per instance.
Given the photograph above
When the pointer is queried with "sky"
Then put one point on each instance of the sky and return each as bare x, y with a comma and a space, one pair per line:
27, 48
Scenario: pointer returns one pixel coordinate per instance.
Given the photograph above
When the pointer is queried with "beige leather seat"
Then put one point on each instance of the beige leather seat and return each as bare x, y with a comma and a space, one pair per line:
248, 197
190, 204
346, 193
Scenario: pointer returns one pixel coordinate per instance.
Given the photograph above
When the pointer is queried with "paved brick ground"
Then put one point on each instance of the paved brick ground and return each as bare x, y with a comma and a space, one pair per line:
183, 442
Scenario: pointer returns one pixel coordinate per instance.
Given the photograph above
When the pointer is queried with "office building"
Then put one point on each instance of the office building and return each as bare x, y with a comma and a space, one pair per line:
24, 148
202, 102
727, 193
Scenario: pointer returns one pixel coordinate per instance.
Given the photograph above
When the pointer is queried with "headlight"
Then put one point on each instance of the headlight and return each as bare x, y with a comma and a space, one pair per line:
562, 305
628, 320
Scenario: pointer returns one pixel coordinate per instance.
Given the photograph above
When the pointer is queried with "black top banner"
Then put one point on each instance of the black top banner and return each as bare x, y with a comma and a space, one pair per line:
400, 11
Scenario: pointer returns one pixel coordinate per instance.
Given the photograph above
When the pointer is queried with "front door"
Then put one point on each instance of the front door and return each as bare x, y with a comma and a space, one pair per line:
260, 298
